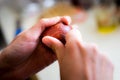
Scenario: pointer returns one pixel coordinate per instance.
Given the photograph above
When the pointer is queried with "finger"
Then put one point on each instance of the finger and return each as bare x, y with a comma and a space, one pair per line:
51, 21
54, 44
38, 28
74, 43
47, 22
74, 36
91, 56
66, 20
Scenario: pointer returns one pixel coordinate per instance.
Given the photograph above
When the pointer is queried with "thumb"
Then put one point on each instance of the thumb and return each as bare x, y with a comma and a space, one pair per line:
56, 45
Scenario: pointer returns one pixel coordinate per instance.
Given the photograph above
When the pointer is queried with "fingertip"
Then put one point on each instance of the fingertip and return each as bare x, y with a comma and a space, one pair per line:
52, 42
45, 40
49, 41
74, 34
66, 19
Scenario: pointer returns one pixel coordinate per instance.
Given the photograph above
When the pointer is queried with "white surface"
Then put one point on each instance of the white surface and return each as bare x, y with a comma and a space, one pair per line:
110, 44
50, 73
7, 20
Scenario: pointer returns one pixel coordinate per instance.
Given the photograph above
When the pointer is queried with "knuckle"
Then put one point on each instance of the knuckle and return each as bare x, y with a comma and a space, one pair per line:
42, 20
18, 36
91, 51
111, 65
26, 36
107, 61
77, 41
73, 42
94, 47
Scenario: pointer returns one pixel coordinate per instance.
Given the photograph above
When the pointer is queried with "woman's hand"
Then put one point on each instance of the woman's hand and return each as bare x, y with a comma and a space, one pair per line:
79, 60
21, 58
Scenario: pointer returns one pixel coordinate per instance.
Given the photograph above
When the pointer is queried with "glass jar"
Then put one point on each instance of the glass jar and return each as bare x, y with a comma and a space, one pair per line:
105, 16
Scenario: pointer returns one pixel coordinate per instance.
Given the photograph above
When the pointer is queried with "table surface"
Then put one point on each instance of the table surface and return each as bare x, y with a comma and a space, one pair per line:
108, 43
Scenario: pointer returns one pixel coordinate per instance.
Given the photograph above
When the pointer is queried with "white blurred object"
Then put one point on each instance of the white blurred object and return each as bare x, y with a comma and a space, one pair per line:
48, 3
8, 19
30, 15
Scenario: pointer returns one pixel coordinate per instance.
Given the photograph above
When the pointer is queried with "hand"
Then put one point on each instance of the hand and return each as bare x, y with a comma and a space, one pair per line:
79, 60
22, 57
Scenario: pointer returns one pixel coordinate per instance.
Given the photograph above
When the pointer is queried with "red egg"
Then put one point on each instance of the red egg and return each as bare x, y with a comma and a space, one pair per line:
58, 31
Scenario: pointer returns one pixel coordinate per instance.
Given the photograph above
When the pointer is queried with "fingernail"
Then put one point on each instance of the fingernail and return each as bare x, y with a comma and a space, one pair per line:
45, 41
68, 18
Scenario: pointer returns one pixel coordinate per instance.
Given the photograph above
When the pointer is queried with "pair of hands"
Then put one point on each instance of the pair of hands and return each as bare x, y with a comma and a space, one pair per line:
77, 59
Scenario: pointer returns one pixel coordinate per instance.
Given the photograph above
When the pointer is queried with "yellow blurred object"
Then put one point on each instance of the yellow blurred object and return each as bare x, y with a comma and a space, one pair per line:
64, 9
106, 29
106, 19
59, 9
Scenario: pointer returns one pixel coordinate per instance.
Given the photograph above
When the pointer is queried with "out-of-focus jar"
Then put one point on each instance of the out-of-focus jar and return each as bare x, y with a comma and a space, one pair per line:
105, 16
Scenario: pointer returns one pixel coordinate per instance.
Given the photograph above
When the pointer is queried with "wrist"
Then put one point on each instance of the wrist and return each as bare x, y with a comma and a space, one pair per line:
11, 75
6, 71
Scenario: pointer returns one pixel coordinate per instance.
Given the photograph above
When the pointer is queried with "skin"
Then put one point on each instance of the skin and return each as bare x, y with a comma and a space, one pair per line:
79, 60
20, 59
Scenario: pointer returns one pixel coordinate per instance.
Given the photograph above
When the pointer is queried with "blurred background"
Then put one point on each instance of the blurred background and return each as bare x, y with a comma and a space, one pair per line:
98, 21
